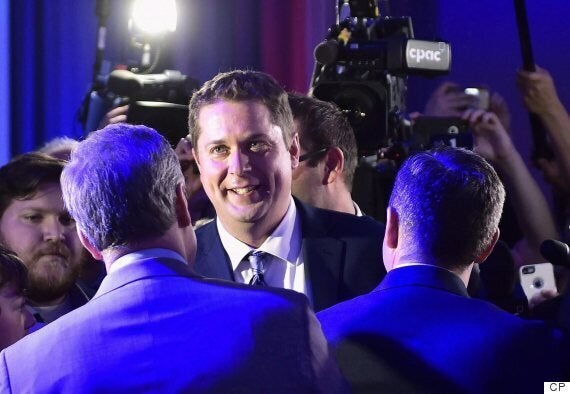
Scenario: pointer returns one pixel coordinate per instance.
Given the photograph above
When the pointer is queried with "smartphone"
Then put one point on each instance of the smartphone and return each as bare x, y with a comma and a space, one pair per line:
483, 97
535, 277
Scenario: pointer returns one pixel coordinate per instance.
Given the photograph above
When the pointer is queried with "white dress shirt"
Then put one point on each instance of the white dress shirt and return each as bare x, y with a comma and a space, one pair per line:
153, 253
284, 267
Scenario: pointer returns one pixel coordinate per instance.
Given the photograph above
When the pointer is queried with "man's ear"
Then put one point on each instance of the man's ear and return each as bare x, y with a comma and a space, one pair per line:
334, 165
182, 213
488, 249
295, 151
97, 255
195, 155
392, 228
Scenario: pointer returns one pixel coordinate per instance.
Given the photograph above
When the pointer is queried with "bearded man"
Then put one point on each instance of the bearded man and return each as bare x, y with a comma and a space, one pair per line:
35, 225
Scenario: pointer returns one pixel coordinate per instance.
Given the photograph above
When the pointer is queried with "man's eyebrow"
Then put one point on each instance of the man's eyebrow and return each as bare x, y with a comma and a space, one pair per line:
216, 142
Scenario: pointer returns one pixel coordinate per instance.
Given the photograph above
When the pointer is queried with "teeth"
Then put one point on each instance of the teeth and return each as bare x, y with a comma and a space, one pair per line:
243, 190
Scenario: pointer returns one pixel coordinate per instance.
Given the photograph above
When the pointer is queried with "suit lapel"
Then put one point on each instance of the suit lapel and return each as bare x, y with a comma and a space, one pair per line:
212, 260
323, 258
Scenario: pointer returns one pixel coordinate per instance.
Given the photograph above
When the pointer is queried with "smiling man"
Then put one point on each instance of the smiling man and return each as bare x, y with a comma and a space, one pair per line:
246, 148
35, 225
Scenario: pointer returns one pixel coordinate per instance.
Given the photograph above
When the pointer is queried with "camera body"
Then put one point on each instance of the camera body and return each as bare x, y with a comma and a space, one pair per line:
363, 65
159, 101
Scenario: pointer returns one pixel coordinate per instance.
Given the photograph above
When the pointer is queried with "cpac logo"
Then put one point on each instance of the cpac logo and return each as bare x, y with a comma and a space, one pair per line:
420, 54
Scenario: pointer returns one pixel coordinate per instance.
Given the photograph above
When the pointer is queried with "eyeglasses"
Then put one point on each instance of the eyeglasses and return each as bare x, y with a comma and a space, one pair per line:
309, 155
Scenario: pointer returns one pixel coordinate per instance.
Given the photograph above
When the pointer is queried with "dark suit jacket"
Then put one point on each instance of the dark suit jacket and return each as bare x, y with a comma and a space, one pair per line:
342, 254
154, 327
420, 332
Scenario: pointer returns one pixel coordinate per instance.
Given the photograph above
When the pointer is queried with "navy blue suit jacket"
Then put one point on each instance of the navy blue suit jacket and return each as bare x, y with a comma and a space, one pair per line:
342, 254
420, 332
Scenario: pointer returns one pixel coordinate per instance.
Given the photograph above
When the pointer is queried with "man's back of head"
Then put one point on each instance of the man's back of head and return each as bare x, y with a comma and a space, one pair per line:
448, 203
120, 186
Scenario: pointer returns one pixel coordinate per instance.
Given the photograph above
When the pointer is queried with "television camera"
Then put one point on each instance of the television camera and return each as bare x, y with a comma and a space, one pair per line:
363, 66
158, 100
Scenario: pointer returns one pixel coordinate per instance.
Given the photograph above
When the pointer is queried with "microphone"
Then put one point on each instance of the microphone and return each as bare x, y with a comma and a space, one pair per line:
556, 252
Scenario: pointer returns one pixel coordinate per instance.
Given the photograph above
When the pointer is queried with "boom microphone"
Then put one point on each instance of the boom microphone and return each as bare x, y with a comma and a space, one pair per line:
556, 252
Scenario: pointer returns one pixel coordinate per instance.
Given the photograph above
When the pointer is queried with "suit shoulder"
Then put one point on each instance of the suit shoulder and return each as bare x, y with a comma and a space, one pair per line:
206, 228
249, 294
358, 225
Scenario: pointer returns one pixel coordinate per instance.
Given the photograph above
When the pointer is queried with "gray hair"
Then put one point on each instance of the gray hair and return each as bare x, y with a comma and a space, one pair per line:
120, 185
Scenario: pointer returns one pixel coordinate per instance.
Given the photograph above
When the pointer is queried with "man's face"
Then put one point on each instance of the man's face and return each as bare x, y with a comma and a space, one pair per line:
15, 318
43, 235
244, 164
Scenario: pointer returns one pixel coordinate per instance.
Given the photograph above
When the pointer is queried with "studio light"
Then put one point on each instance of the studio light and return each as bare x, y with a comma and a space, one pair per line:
154, 17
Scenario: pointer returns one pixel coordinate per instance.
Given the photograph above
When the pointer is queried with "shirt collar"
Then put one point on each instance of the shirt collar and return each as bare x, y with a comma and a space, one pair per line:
131, 258
284, 242
357, 210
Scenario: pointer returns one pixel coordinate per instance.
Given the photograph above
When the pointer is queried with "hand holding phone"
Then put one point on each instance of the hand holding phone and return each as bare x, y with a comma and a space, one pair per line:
482, 95
537, 277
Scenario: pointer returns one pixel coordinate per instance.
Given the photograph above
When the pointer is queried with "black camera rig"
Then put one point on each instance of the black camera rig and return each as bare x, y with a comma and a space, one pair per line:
363, 66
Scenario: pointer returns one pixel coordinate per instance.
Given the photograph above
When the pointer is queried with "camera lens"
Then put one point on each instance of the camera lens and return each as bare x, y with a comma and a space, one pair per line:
537, 283
528, 270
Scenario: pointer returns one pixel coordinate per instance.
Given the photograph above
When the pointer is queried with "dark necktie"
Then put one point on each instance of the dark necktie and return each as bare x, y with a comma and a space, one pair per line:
255, 259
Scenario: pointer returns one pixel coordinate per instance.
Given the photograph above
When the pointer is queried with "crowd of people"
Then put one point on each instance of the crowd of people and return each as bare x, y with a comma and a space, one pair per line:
239, 261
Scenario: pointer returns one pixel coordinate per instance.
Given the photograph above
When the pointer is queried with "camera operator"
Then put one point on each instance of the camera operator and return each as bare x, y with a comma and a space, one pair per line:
450, 100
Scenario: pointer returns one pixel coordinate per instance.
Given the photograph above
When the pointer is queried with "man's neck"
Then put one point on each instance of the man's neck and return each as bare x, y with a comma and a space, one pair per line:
172, 240
340, 200
253, 234
462, 273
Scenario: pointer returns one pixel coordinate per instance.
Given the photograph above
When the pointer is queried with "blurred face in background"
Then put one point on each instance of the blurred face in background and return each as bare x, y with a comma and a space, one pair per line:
15, 318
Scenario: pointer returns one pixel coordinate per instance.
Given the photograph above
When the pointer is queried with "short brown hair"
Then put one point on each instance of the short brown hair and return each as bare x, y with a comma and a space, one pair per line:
22, 177
243, 85
323, 125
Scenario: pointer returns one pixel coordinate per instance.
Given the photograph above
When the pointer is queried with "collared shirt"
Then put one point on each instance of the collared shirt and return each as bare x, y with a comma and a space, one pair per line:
429, 265
357, 210
285, 267
155, 253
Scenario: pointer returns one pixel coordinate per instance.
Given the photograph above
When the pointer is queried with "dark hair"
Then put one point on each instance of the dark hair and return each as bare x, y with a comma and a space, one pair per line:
12, 269
323, 125
243, 85
22, 176
120, 185
449, 202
